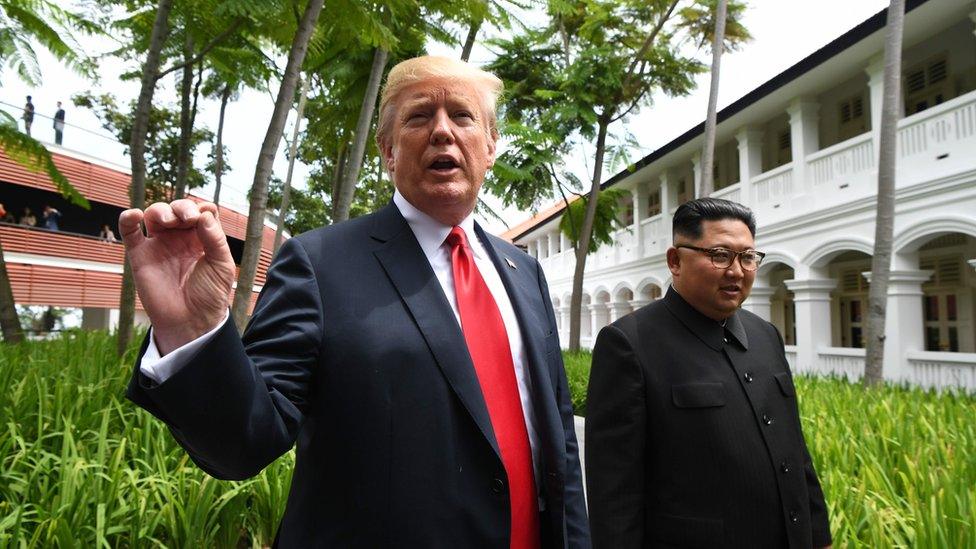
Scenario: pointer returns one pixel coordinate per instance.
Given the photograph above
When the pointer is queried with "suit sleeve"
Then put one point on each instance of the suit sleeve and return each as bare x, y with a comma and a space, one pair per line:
238, 405
819, 519
577, 524
615, 443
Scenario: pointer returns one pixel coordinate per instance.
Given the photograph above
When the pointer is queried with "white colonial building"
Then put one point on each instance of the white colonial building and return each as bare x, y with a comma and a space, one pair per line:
801, 151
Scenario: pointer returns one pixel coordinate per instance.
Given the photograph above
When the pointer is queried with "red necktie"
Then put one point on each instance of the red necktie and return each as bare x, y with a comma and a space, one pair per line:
487, 339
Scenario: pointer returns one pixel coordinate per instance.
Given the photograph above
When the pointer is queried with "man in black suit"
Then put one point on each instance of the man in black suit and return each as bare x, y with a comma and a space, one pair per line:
412, 356
693, 435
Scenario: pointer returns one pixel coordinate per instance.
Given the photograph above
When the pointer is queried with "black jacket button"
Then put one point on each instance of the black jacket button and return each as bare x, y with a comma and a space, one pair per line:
794, 518
767, 420
748, 377
497, 485
785, 467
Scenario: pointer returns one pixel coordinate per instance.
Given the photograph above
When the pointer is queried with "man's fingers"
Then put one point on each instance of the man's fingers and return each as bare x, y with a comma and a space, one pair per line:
212, 238
159, 216
186, 210
129, 227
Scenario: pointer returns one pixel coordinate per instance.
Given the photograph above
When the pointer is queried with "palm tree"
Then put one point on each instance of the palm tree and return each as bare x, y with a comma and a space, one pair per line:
708, 151
884, 225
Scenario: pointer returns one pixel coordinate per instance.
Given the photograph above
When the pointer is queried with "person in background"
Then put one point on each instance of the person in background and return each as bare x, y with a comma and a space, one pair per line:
5, 216
58, 125
693, 435
28, 115
28, 218
50, 218
107, 235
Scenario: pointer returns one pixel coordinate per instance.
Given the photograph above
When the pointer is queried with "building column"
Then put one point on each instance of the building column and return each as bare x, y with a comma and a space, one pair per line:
564, 319
805, 139
600, 316
640, 209
619, 309
750, 160
638, 303
551, 243
875, 72
666, 194
904, 320
759, 302
696, 168
811, 298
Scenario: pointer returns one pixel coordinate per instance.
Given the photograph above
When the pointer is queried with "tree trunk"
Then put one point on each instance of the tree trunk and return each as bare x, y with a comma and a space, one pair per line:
343, 202
286, 191
586, 233
262, 171
186, 123
137, 157
13, 332
708, 151
885, 220
339, 169
469, 41
219, 156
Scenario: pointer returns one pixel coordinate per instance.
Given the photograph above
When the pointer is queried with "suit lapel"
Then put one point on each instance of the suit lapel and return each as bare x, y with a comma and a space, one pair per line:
408, 269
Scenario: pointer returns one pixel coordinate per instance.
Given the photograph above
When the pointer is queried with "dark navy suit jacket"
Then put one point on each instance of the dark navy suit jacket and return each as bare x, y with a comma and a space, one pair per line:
354, 351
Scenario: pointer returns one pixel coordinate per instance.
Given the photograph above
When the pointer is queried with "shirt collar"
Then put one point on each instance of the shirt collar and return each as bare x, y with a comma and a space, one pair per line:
709, 331
431, 233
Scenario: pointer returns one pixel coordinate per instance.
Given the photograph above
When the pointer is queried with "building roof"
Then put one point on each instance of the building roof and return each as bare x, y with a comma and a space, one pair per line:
860, 32
541, 217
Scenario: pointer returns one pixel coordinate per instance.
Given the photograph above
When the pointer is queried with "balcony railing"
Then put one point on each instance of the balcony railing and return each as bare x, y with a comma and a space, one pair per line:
840, 361
774, 186
937, 370
60, 244
732, 192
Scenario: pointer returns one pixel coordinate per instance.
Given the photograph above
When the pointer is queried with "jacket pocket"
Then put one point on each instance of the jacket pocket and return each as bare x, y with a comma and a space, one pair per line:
785, 384
686, 531
698, 395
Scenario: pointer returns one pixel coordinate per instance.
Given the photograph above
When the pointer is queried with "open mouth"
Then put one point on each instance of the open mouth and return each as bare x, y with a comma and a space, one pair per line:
443, 165
731, 289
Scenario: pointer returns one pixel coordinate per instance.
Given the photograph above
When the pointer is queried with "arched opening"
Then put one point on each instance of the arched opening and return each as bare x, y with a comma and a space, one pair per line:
849, 300
949, 295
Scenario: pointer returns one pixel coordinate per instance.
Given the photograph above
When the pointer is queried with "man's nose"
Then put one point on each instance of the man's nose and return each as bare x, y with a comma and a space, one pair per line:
441, 133
735, 270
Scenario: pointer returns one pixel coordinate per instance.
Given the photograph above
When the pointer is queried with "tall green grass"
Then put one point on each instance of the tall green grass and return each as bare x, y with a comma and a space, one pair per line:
897, 465
82, 467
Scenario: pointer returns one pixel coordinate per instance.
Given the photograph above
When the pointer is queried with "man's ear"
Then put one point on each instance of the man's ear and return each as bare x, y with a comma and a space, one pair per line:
387, 151
492, 137
674, 261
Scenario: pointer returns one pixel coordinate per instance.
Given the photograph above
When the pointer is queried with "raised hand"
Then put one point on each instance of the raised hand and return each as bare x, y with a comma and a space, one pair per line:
183, 269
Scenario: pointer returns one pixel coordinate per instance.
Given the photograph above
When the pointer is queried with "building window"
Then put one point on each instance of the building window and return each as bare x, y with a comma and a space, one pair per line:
926, 85
625, 205
784, 148
684, 194
853, 308
941, 303
654, 203
852, 119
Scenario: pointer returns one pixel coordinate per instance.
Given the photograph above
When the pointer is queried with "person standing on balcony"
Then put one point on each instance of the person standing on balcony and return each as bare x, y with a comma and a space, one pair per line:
413, 356
693, 435
58, 124
107, 234
28, 219
50, 218
5, 216
28, 116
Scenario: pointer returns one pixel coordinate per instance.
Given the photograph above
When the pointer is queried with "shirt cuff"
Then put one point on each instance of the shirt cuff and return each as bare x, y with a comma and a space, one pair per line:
160, 368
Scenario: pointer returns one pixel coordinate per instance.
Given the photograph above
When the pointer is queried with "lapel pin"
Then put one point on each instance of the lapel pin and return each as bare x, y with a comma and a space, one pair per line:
511, 263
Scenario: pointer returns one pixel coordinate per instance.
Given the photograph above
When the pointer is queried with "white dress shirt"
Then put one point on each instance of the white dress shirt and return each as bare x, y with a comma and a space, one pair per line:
431, 235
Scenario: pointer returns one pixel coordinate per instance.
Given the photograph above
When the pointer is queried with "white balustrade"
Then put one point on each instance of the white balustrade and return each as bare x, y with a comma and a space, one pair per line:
847, 158
840, 361
732, 192
774, 185
939, 370
954, 120
791, 356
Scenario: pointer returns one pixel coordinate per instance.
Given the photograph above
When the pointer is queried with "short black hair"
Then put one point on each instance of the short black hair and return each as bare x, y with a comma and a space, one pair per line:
28, 98
690, 215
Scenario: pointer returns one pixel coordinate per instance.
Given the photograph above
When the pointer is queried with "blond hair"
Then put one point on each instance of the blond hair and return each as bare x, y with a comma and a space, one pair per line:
429, 67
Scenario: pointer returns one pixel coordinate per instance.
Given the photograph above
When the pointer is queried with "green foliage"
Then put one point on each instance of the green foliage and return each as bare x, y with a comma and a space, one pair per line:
162, 142
896, 464
80, 466
606, 218
31, 154
25, 24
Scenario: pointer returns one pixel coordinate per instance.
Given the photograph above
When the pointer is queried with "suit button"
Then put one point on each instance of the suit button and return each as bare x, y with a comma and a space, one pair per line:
497, 485
767, 420
785, 467
725, 339
794, 517
748, 377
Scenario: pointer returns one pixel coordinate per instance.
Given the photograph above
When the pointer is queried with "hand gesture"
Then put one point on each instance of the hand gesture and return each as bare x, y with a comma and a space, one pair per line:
183, 269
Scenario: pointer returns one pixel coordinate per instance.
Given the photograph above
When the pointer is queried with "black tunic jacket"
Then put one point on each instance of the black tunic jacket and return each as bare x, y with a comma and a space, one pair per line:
693, 436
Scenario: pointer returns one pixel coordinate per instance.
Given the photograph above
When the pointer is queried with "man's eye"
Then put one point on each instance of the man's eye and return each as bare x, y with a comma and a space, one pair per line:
464, 114
723, 255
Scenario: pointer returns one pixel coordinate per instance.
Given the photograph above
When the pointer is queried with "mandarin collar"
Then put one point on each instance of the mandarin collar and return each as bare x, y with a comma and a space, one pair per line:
712, 333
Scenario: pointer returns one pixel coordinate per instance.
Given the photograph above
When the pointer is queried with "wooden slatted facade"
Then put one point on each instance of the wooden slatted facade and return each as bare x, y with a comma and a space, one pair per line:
71, 270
